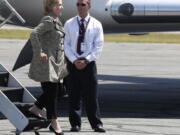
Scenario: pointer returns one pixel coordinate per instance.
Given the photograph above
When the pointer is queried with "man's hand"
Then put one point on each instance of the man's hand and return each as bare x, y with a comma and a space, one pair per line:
43, 57
80, 64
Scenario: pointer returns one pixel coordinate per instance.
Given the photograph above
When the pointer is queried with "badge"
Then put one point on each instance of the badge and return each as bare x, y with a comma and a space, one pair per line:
84, 47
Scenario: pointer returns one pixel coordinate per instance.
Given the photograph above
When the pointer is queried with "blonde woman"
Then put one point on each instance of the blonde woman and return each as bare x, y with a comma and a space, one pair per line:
48, 65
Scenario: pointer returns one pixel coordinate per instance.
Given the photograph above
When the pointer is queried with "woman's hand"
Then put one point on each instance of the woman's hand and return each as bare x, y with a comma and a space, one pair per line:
43, 57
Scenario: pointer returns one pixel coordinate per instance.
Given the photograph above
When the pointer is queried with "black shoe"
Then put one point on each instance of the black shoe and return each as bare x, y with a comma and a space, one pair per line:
52, 129
99, 129
75, 129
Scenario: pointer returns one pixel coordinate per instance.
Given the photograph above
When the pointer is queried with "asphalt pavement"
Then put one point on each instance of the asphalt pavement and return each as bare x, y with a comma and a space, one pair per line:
139, 89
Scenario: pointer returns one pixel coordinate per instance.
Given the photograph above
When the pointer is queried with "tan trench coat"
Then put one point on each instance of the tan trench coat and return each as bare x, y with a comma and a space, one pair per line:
48, 37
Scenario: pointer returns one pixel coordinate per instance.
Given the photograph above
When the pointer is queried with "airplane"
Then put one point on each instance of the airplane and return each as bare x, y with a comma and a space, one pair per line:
117, 16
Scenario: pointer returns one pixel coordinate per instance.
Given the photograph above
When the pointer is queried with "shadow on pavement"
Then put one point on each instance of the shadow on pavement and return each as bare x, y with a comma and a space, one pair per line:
136, 97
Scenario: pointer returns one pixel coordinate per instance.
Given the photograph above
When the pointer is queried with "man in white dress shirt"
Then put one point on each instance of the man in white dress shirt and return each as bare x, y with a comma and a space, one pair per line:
83, 44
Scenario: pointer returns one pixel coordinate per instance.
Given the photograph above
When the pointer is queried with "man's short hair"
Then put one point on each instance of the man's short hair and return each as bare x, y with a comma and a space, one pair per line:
89, 2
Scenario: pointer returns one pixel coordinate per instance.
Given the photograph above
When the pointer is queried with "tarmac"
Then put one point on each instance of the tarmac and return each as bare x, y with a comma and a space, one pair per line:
139, 89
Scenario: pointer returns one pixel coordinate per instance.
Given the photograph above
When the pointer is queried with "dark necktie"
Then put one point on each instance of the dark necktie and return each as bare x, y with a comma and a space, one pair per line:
81, 36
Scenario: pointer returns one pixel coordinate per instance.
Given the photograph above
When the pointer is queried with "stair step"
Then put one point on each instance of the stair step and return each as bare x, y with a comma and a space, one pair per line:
2, 117
24, 108
34, 123
4, 76
14, 94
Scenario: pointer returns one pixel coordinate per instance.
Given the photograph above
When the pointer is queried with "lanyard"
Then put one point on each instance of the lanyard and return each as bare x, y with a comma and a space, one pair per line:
86, 25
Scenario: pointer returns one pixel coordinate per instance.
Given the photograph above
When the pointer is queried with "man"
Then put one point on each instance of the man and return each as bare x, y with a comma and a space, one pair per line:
83, 44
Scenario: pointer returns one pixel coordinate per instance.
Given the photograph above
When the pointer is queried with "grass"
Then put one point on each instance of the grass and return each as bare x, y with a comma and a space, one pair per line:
148, 38
14, 34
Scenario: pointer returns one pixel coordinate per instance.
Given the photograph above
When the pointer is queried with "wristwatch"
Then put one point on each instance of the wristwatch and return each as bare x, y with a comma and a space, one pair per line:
86, 61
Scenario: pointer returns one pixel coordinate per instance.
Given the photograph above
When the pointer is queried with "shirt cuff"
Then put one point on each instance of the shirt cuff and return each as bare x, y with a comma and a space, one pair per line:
73, 59
89, 58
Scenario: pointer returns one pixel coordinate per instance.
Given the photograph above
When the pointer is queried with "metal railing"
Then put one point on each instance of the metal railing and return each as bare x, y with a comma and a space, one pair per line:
13, 13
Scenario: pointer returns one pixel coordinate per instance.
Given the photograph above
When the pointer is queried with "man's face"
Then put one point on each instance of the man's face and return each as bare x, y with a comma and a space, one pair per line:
83, 7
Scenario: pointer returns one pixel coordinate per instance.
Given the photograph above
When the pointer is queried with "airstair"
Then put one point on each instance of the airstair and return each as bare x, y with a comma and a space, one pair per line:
15, 100
13, 13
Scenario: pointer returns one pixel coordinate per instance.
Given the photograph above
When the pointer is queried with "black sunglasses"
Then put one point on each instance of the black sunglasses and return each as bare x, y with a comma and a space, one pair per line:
81, 4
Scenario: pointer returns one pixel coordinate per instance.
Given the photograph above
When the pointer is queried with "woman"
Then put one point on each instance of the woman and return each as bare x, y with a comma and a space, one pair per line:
48, 65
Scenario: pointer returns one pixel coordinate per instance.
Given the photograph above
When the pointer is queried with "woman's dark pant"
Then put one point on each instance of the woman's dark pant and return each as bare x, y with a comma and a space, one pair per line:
48, 99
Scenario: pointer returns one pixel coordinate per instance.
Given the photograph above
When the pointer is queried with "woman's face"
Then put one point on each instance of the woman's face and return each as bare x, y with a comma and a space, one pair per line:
57, 9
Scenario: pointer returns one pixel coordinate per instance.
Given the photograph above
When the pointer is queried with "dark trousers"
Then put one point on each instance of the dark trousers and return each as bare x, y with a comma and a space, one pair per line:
48, 99
83, 85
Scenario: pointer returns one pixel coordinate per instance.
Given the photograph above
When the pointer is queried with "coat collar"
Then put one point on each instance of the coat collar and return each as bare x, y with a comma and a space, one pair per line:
57, 23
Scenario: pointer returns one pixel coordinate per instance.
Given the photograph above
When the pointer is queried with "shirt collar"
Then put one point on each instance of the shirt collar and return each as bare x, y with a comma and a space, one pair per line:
86, 19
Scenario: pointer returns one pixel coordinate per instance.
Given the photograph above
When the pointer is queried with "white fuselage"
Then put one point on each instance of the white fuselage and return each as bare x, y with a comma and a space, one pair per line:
32, 10
116, 15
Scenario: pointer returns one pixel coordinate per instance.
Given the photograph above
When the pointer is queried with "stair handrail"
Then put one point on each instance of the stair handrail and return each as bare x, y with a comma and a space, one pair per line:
13, 13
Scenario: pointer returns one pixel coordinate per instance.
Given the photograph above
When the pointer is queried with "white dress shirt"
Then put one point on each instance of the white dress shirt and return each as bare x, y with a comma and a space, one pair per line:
94, 39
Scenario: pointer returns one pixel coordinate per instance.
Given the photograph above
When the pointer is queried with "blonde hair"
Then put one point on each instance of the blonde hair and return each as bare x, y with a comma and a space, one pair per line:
48, 5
